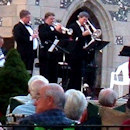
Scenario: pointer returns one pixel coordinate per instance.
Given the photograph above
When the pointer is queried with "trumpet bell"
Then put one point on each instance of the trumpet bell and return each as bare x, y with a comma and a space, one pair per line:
70, 31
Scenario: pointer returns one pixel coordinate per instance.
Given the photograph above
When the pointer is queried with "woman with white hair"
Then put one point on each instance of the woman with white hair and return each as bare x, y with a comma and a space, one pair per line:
75, 105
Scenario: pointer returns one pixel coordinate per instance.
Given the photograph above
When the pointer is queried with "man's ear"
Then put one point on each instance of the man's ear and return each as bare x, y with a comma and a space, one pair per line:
50, 100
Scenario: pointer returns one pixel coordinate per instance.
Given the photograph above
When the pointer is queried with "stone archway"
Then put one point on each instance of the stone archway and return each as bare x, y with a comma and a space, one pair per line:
102, 20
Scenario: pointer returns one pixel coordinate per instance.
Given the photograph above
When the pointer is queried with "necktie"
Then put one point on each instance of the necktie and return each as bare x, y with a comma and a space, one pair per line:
28, 25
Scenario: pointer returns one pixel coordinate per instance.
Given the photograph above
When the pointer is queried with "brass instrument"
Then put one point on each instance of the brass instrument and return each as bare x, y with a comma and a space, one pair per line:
69, 31
96, 32
94, 35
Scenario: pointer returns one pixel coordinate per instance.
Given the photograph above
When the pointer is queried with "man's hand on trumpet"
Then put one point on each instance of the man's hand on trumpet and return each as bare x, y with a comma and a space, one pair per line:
58, 27
35, 34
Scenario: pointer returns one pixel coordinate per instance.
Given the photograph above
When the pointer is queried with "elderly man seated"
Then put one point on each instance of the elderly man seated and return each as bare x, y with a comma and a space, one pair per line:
107, 97
49, 108
34, 85
75, 105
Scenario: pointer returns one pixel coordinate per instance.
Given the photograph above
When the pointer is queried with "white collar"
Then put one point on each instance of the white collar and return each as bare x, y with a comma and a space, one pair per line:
22, 22
78, 23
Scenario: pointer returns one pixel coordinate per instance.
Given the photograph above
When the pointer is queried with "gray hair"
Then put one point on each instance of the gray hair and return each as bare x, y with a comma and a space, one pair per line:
40, 77
56, 91
75, 104
83, 14
107, 97
35, 84
24, 13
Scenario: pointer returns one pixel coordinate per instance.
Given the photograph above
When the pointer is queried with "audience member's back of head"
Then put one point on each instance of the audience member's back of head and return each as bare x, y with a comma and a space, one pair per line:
107, 97
35, 83
75, 104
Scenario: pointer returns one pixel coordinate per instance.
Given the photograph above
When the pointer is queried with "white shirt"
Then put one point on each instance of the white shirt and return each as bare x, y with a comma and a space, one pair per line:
30, 30
2, 59
81, 27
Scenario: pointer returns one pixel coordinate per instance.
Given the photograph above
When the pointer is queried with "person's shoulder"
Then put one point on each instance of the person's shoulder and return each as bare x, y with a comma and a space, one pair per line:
43, 25
73, 25
28, 120
18, 25
25, 109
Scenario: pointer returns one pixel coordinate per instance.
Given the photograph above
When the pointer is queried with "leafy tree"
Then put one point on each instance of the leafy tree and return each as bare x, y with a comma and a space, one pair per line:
13, 79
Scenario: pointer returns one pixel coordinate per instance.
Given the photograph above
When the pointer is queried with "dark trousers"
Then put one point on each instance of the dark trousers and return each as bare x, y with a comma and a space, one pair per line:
28, 61
75, 74
48, 65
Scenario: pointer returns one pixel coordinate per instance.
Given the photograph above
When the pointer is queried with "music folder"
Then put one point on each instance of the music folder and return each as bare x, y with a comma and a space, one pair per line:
53, 45
95, 45
125, 51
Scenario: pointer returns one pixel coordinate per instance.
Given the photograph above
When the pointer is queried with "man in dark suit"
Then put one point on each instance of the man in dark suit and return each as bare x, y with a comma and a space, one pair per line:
80, 36
24, 37
49, 60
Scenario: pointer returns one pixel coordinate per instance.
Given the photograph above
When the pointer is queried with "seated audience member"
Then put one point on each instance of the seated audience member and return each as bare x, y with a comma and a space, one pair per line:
75, 105
34, 84
18, 100
49, 108
2, 57
107, 97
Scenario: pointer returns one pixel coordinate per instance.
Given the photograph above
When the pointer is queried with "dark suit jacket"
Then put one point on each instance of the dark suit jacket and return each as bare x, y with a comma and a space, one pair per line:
46, 34
78, 41
24, 45
22, 37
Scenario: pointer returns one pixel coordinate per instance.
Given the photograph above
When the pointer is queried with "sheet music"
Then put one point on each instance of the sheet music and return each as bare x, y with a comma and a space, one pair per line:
53, 45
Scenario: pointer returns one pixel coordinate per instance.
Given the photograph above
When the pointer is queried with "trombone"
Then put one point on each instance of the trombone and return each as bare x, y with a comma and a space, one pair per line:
94, 35
96, 32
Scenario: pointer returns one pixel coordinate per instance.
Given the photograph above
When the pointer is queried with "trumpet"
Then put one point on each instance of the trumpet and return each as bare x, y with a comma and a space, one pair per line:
96, 32
69, 31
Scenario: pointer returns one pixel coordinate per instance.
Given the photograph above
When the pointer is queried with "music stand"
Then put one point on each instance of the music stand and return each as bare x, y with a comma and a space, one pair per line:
125, 52
96, 45
63, 65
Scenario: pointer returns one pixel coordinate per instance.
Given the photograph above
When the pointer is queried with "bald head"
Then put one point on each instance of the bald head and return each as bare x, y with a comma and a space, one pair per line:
107, 97
57, 93
55, 87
